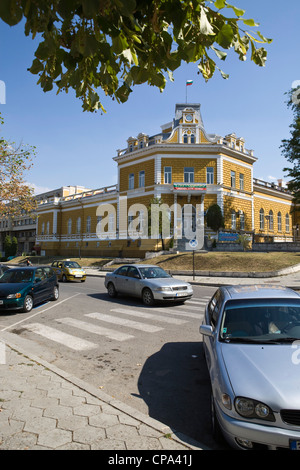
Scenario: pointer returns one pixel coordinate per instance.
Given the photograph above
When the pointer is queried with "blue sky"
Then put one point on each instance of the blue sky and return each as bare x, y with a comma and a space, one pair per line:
76, 148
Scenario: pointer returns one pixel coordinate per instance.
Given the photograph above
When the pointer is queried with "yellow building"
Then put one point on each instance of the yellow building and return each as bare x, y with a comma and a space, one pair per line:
187, 170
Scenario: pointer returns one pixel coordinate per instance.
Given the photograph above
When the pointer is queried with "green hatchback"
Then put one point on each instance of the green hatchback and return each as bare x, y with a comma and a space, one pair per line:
22, 288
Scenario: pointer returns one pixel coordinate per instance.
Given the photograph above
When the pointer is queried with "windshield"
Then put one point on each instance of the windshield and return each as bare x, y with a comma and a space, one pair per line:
267, 321
153, 273
20, 275
72, 264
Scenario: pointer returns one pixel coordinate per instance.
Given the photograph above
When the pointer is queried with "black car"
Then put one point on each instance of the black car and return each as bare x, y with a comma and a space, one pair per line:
22, 288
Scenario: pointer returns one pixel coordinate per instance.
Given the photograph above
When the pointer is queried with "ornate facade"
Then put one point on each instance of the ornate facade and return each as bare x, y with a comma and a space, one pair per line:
182, 166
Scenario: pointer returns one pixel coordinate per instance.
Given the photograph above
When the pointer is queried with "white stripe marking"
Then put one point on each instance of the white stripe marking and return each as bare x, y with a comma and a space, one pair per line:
124, 322
149, 316
180, 313
97, 330
60, 337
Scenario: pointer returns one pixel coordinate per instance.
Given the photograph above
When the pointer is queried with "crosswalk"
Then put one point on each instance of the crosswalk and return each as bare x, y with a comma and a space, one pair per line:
111, 325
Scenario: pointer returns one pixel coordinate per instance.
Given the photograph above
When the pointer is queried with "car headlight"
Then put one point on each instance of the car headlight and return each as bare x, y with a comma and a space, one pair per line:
249, 408
14, 296
164, 289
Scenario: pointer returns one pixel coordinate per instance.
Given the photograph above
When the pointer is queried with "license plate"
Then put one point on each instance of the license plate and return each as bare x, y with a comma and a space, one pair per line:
295, 445
78, 275
180, 294
1, 302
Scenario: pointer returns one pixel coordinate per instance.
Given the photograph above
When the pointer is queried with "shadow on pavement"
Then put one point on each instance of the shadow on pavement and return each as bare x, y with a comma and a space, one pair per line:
174, 383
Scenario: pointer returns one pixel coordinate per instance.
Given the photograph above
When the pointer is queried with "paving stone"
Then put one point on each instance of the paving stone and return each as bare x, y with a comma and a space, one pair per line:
108, 444
55, 438
72, 423
120, 431
88, 435
86, 410
58, 411
143, 443
103, 420
19, 441
40, 425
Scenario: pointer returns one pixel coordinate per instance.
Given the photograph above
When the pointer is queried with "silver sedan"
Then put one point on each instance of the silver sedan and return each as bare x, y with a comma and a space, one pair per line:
251, 337
148, 282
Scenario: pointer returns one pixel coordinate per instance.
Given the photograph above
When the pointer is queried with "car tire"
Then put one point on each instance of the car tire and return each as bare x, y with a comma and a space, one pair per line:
55, 294
216, 428
147, 297
28, 304
64, 278
111, 290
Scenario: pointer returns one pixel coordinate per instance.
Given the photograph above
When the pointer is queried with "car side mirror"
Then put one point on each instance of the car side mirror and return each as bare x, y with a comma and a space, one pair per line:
206, 330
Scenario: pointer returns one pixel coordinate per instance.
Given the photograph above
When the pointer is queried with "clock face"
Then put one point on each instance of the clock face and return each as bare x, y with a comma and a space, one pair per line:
188, 117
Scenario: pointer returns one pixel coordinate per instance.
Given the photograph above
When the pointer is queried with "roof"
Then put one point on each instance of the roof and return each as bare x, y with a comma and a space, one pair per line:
259, 292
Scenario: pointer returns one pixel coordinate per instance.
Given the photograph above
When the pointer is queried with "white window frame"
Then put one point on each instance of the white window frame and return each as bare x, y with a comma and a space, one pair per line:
210, 174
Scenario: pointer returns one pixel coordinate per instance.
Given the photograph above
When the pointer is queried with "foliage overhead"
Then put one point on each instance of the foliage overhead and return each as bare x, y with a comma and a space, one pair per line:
87, 45
15, 195
291, 147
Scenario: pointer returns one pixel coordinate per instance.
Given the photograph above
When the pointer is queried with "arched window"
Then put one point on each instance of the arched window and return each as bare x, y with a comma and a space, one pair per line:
69, 226
185, 139
279, 222
78, 225
271, 220
192, 138
88, 224
261, 219
48, 228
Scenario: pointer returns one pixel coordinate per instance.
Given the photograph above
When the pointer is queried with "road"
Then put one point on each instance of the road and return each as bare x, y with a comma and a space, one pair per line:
150, 358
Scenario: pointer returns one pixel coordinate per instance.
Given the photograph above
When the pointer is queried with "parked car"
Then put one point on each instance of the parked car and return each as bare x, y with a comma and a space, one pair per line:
22, 288
250, 337
67, 270
3, 268
148, 282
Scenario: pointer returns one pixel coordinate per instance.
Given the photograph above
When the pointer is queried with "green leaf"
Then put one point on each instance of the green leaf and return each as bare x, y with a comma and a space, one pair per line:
10, 12
250, 22
238, 11
36, 67
220, 54
225, 36
220, 4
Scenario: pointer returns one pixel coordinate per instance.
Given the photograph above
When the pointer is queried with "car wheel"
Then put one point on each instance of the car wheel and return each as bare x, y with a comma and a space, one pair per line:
147, 297
55, 294
64, 278
111, 290
216, 429
28, 304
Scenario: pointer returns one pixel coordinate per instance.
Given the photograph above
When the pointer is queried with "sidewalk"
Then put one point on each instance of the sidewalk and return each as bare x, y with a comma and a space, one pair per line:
42, 407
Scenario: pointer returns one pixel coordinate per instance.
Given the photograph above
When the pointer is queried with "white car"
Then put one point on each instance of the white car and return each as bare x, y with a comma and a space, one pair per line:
251, 337
148, 282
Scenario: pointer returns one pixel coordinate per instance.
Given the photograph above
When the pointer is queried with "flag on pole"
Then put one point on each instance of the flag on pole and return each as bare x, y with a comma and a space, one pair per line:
189, 82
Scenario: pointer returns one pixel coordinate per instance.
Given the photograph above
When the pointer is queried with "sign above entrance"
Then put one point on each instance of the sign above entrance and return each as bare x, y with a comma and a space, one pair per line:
189, 186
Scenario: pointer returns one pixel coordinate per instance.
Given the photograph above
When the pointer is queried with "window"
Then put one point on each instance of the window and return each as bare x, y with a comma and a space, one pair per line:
232, 179
69, 226
43, 228
141, 179
241, 181
233, 220
271, 220
261, 219
168, 174
279, 222
242, 221
48, 228
192, 138
189, 175
78, 225
88, 224
209, 175
287, 223
131, 181
185, 139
